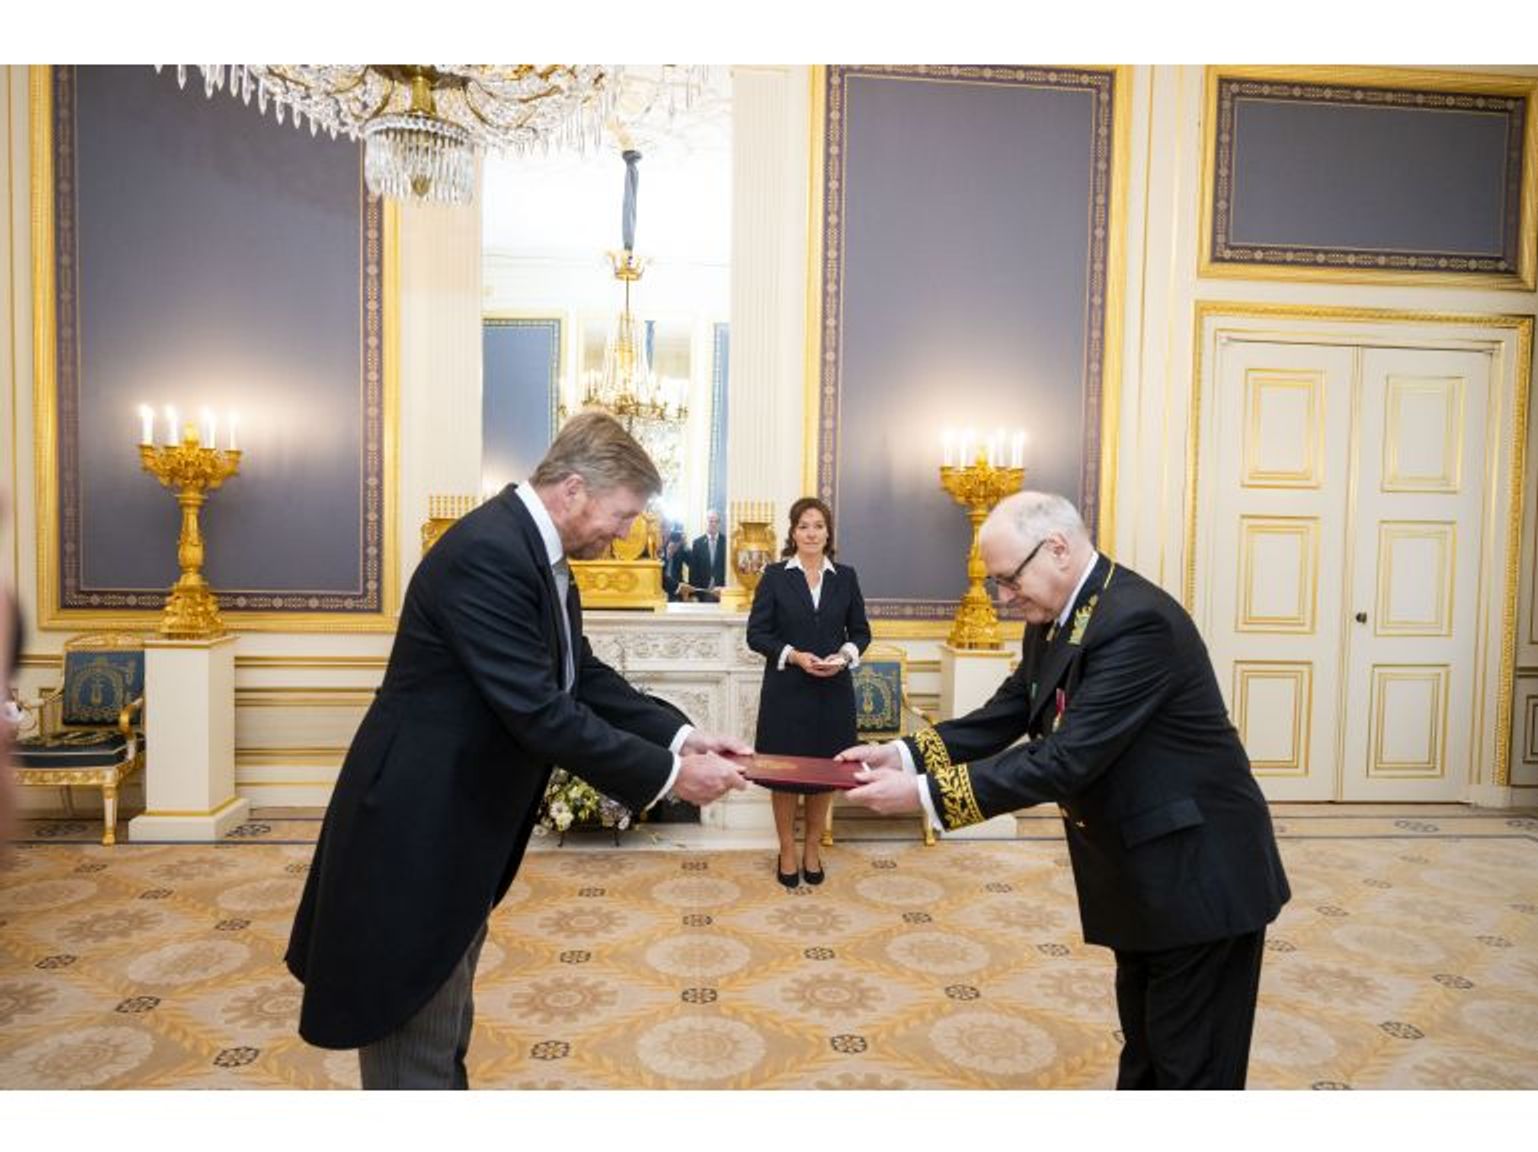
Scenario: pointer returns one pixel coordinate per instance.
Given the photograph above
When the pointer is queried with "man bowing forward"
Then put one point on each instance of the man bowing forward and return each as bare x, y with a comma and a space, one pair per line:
490, 683
1173, 853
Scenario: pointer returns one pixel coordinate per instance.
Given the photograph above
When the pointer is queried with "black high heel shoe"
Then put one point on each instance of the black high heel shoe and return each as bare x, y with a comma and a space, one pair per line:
809, 876
791, 879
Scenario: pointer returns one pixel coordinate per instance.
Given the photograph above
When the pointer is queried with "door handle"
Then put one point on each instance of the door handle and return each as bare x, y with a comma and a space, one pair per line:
1361, 617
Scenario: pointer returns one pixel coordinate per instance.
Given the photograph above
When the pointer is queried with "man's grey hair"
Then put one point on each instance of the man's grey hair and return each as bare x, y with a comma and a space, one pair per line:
1033, 516
596, 447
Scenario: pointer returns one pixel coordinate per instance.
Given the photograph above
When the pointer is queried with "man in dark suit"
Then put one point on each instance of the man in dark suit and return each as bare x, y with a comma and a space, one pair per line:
1173, 852
675, 579
490, 683
707, 560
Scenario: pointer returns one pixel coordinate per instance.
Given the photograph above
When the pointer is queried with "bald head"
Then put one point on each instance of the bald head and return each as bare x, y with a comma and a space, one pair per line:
1035, 546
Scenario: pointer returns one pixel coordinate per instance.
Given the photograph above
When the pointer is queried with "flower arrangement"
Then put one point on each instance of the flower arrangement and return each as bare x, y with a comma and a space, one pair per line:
571, 801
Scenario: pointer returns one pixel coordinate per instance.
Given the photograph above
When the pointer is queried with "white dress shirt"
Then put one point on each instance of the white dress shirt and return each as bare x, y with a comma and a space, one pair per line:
902, 748
555, 555
849, 651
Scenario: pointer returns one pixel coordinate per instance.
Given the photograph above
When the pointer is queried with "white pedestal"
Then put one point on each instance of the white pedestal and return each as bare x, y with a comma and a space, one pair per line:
189, 774
968, 678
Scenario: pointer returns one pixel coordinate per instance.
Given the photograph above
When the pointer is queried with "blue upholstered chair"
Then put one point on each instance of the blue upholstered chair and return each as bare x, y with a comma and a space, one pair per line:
882, 710
89, 731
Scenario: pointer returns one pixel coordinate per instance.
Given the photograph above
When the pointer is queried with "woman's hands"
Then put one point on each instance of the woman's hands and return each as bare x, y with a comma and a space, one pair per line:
820, 666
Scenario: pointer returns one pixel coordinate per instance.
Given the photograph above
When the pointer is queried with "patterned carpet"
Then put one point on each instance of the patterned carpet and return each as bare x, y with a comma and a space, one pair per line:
1408, 958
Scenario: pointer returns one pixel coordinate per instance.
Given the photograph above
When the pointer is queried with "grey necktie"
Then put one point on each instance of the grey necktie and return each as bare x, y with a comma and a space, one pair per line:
562, 572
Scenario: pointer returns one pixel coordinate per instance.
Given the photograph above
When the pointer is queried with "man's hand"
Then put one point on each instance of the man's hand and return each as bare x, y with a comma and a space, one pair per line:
715, 742
874, 755
704, 777
886, 791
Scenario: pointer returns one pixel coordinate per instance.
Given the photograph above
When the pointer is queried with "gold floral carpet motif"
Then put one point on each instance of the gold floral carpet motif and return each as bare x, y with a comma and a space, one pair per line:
1408, 958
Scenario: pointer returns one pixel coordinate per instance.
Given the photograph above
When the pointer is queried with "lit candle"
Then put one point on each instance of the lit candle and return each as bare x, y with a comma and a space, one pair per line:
948, 439
210, 430
1017, 452
966, 448
173, 433
146, 425
232, 420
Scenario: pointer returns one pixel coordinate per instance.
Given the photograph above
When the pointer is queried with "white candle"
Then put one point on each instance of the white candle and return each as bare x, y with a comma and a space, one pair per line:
232, 421
173, 433
1017, 452
210, 429
146, 425
948, 451
966, 448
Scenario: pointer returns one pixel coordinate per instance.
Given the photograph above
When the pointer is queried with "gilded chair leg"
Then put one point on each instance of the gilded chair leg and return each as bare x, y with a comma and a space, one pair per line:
109, 814
827, 828
67, 794
929, 833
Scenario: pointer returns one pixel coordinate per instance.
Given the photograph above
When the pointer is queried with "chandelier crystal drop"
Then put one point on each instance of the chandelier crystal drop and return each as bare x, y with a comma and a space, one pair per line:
423, 124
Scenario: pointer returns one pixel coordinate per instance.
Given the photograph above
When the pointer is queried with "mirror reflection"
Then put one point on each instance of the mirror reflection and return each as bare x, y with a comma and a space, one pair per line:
572, 317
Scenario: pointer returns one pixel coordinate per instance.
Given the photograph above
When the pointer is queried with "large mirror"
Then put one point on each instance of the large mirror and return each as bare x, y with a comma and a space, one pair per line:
553, 300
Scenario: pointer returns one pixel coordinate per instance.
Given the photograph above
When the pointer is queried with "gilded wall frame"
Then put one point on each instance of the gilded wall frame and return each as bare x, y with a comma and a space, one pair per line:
1367, 87
1519, 402
822, 306
51, 614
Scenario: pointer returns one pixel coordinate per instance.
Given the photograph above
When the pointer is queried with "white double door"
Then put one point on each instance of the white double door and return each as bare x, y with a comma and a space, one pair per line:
1348, 505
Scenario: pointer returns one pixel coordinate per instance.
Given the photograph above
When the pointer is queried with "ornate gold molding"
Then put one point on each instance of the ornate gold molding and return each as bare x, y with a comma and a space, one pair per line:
50, 615
1482, 83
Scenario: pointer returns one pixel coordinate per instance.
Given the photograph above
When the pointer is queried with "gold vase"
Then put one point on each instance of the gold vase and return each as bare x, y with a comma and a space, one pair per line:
753, 544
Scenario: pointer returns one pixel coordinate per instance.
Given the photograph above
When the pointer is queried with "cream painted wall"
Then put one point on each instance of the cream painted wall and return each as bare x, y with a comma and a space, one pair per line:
299, 695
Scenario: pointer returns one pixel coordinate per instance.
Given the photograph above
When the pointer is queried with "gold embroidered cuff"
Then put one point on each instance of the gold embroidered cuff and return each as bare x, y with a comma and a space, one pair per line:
958, 806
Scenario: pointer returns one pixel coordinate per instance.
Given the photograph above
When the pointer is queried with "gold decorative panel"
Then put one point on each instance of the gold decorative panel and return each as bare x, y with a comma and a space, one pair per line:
1423, 434
1273, 701
1283, 429
1409, 721
1416, 563
1278, 574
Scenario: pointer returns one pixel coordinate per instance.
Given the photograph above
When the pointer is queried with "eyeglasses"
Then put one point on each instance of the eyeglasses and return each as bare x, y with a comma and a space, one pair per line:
1012, 581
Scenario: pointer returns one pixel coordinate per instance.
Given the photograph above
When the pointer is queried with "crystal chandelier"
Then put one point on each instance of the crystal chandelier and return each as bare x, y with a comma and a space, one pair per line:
422, 124
627, 387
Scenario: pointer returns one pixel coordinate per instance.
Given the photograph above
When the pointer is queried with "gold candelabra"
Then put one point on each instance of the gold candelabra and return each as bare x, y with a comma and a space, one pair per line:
191, 471
978, 487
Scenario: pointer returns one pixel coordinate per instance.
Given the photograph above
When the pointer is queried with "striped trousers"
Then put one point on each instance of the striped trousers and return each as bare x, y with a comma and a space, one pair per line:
428, 1051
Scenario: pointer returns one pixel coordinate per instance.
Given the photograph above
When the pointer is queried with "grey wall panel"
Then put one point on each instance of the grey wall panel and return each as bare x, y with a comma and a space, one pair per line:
521, 363
208, 256
967, 262
1376, 178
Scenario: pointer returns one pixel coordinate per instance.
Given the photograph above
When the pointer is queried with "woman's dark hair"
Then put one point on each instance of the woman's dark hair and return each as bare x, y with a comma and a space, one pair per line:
800, 506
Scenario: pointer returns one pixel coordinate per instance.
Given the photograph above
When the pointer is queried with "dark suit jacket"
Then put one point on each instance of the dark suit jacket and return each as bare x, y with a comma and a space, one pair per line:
1170, 837
673, 573
702, 574
442, 784
798, 714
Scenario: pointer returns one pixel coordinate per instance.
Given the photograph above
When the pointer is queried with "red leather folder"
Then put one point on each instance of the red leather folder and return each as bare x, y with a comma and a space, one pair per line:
812, 770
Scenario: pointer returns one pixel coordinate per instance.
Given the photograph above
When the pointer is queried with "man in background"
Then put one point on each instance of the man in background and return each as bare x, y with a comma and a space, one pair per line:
707, 560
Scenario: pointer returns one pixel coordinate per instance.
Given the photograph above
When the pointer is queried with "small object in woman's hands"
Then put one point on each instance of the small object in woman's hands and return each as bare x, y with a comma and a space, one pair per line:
837, 660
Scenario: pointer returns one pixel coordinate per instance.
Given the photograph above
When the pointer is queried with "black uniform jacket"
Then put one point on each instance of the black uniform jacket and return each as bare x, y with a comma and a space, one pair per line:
441, 787
1170, 837
798, 714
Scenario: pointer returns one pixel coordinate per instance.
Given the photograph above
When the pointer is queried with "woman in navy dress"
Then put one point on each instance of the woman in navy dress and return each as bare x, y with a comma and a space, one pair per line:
808, 622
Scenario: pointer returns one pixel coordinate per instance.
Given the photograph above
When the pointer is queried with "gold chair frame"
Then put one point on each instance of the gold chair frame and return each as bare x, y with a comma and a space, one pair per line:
46, 720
